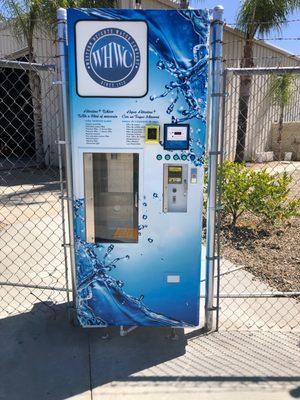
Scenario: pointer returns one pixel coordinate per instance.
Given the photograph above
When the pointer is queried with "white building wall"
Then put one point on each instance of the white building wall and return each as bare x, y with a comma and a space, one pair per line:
8, 42
261, 112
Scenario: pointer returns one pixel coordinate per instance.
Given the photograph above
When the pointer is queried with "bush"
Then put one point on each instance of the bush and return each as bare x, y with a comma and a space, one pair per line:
269, 198
263, 194
236, 185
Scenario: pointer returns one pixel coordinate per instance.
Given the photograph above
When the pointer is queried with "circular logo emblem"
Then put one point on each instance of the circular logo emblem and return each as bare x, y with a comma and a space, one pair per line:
112, 57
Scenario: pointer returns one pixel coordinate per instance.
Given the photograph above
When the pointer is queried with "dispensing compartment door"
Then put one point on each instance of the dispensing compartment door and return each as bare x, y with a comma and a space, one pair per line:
111, 193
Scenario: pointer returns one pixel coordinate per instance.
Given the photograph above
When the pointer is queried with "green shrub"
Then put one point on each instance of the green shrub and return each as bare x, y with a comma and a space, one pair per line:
259, 192
269, 197
236, 185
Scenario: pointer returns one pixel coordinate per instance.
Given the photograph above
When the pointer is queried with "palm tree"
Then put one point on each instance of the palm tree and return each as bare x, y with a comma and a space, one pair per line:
281, 93
24, 16
49, 7
255, 16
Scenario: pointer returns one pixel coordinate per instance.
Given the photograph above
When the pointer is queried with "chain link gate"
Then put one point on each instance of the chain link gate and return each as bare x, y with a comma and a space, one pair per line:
32, 187
258, 280
33, 263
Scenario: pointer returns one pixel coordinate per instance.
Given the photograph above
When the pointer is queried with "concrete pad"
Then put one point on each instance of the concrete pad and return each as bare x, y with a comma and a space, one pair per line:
31, 254
228, 395
148, 365
267, 314
43, 357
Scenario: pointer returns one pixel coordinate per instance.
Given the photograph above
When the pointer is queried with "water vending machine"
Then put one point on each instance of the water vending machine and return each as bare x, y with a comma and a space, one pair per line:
137, 104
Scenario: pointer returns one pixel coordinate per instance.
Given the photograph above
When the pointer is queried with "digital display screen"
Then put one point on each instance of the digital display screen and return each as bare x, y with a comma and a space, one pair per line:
175, 174
152, 133
176, 136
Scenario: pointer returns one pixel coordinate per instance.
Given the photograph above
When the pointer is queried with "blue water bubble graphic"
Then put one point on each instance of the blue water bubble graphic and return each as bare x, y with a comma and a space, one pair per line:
102, 300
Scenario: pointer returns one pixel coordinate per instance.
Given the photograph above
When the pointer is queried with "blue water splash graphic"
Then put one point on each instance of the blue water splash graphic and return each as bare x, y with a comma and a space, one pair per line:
187, 64
186, 81
102, 300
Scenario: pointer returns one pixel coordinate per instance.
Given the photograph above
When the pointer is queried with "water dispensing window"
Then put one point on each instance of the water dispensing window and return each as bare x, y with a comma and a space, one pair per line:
111, 193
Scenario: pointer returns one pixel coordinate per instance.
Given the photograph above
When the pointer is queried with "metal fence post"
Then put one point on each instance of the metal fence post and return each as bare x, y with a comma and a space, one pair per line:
62, 41
216, 73
219, 194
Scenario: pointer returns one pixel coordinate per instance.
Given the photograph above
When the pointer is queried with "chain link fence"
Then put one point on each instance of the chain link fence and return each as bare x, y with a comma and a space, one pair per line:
34, 271
259, 267
258, 237
32, 256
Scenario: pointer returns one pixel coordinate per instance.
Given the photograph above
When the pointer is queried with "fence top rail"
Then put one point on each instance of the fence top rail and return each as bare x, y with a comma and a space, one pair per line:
264, 70
26, 65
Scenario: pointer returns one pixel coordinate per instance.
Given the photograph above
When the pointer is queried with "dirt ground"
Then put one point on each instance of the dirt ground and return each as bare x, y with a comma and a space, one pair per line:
271, 254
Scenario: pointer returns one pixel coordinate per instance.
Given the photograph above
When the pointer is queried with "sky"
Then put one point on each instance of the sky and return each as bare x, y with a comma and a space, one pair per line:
292, 29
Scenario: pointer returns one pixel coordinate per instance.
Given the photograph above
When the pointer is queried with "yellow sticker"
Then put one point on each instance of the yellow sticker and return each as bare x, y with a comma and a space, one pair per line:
152, 134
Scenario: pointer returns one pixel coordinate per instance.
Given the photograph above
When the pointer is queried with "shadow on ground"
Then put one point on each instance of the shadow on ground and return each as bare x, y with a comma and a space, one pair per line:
42, 356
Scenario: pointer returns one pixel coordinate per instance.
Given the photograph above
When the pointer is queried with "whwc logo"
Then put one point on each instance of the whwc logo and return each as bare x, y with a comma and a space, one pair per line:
112, 57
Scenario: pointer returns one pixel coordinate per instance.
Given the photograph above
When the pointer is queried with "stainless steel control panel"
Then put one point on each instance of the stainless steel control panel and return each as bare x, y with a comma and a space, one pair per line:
175, 188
